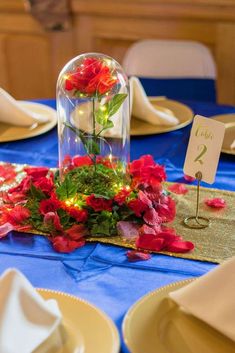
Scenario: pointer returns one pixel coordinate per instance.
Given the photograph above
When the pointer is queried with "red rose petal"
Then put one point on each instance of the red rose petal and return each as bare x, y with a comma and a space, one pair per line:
216, 202
188, 178
5, 229
150, 242
151, 217
135, 255
180, 246
177, 188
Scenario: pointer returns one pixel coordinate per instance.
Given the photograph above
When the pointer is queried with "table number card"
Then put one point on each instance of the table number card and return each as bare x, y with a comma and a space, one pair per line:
204, 148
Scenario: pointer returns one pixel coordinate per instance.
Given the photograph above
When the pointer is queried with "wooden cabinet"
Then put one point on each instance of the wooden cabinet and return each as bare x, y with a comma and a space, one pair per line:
31, 58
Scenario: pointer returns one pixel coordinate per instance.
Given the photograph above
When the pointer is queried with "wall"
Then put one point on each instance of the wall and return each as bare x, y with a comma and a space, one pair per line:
30, 58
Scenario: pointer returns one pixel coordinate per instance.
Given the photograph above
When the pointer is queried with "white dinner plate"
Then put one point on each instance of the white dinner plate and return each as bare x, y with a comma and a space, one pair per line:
155, 324
12, 133
86, 329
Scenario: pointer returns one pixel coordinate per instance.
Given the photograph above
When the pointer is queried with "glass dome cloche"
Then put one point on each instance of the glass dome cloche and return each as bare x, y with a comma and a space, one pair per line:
93, 122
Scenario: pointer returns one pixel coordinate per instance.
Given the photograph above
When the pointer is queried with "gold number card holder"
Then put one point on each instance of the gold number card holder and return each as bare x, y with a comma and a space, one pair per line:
197, 222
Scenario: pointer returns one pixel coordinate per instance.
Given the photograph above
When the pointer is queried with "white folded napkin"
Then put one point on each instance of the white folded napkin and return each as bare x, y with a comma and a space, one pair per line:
211, 298
233, 145
144, 110
13, 113
26, 319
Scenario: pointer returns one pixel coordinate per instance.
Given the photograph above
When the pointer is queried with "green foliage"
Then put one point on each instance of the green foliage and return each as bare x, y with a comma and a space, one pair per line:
101, 181
103, 223
67, 189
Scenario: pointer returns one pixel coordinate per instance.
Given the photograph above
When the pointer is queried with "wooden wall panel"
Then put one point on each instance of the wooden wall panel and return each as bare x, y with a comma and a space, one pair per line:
110, 27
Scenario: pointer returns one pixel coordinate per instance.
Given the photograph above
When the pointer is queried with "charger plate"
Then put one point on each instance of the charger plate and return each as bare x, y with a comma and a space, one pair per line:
13, 133
181, 111
86, 328
155, 324
229, 136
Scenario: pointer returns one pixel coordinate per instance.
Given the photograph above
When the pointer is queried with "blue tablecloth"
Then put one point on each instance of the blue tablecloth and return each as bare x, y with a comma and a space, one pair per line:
99, 273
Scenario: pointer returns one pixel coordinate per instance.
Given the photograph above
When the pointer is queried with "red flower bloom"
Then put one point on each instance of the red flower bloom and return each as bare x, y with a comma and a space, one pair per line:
80, 161
99, 203
106, 161
177, 188
45, 184
76, 232
144, 161
216, 202
166, 208
7, 173
23, 187
63, 244
52, 218
121, 196
16, 215
78, 214
36, 172
137, 206
13, 197
92, 77
49, 205
147, 173
134, 255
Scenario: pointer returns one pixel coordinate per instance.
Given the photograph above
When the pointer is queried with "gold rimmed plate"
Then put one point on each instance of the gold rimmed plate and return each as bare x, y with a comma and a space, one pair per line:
229, 136
13, 133
155, 324
85, 328
181, 111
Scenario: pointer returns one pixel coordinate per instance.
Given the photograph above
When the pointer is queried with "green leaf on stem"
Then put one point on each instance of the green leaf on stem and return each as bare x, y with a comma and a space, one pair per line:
115, 103
105, 111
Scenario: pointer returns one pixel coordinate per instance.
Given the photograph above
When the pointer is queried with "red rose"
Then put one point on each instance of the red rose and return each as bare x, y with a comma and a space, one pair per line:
147, 173
45, 184
80, 161
138, 207
63, 244
36, 172
49, 205
52, 218
121, 196
23, 187
99, 203
92, 77
76, 232
78, 214
16, 215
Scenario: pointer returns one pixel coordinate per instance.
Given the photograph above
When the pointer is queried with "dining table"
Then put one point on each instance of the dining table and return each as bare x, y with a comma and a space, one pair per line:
101, 273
